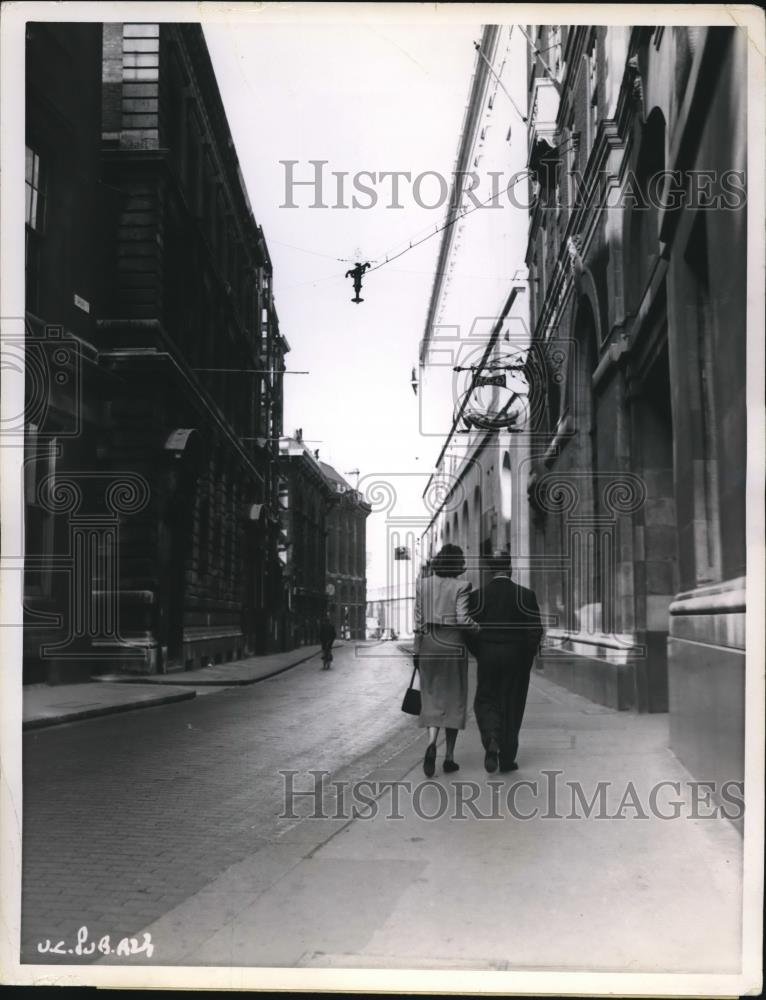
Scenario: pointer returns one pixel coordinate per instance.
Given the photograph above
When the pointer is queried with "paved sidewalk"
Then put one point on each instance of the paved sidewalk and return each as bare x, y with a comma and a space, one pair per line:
617, 889
50, 705
238, 672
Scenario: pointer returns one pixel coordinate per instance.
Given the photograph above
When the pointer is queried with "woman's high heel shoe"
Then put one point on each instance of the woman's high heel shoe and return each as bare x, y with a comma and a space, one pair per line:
450, 766
429, 761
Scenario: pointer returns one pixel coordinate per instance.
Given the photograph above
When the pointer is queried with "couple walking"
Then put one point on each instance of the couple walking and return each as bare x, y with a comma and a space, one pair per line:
500, 625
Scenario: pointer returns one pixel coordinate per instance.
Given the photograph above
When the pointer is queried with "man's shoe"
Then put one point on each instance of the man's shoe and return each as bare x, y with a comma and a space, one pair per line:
490, 757
429, 761
450, 766
504, 769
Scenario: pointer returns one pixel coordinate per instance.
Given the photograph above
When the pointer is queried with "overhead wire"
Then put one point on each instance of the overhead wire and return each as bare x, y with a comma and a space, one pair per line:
412, 244
460, 215
463, 212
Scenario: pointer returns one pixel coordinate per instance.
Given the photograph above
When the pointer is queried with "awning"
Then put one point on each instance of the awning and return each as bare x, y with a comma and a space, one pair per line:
543, 156
178, 440
185, 443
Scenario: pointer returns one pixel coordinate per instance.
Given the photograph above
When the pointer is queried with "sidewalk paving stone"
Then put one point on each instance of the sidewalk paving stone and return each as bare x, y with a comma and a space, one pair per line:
50, 705
499, 892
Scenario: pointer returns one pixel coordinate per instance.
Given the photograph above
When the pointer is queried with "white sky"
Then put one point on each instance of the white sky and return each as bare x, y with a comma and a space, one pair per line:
377, 98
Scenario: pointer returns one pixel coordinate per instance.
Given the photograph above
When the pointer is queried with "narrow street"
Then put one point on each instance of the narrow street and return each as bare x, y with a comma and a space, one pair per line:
435, 332
126, 816
167, 821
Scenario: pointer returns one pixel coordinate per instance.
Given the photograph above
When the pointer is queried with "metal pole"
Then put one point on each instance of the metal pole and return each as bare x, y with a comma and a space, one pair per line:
539, 56
477, 46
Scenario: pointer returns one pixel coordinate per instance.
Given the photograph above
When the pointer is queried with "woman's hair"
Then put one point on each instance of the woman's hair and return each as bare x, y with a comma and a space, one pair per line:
448, 561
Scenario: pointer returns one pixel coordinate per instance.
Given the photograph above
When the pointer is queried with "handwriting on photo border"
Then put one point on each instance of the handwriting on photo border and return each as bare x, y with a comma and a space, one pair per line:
85, 946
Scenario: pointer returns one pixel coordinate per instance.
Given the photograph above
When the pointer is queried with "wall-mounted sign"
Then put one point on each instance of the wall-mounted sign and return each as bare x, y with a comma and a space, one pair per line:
496, 395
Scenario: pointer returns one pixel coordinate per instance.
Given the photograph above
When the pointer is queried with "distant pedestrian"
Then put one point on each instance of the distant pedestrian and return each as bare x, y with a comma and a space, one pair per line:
327, 637
441, 615
509, 636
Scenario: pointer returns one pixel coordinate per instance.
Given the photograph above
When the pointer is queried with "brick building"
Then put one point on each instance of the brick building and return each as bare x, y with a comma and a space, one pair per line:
149, 254
346, 577
637, 279
306, 496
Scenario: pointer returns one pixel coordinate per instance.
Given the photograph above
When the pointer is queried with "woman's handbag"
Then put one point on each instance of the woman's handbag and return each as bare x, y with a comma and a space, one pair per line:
411, 703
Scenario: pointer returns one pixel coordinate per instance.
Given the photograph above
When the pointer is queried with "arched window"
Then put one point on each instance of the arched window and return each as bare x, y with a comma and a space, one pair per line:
506, 501
646, 198
478, 545
581, 365
584, 604
553, 379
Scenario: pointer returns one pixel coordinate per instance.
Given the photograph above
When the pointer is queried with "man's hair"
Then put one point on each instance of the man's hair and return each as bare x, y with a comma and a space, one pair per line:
499, 562
449, 561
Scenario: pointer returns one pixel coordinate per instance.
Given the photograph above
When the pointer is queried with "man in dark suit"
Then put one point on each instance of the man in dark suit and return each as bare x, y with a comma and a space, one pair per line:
327, 636
509, 636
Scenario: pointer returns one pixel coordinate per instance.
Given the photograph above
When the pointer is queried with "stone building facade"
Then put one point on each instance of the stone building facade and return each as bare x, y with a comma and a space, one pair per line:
346, 577
636, 256
468, 500
191, 331
165, 528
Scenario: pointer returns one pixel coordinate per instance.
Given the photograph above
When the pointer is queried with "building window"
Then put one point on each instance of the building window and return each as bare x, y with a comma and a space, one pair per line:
209, 203
553, 380
592, 85
554, 50
177, 121
140, 57
570, 166
191, 168
34, 186
644, 220
34, 197
229, 567
203, 528
707, 529
39, 470
541, 265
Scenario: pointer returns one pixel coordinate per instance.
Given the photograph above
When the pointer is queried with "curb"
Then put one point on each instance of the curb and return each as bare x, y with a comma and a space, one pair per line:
279, 670
162, 699
178, 678
90, 713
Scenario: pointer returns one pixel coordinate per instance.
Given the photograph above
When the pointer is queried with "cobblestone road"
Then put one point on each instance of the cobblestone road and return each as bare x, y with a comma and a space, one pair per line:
127, 816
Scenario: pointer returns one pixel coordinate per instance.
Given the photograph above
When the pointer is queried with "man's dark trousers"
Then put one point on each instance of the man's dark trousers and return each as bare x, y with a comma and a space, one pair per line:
509, 635
501, 695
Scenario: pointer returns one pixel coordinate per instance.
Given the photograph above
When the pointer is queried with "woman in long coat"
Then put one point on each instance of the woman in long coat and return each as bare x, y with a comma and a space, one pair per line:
441, 616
